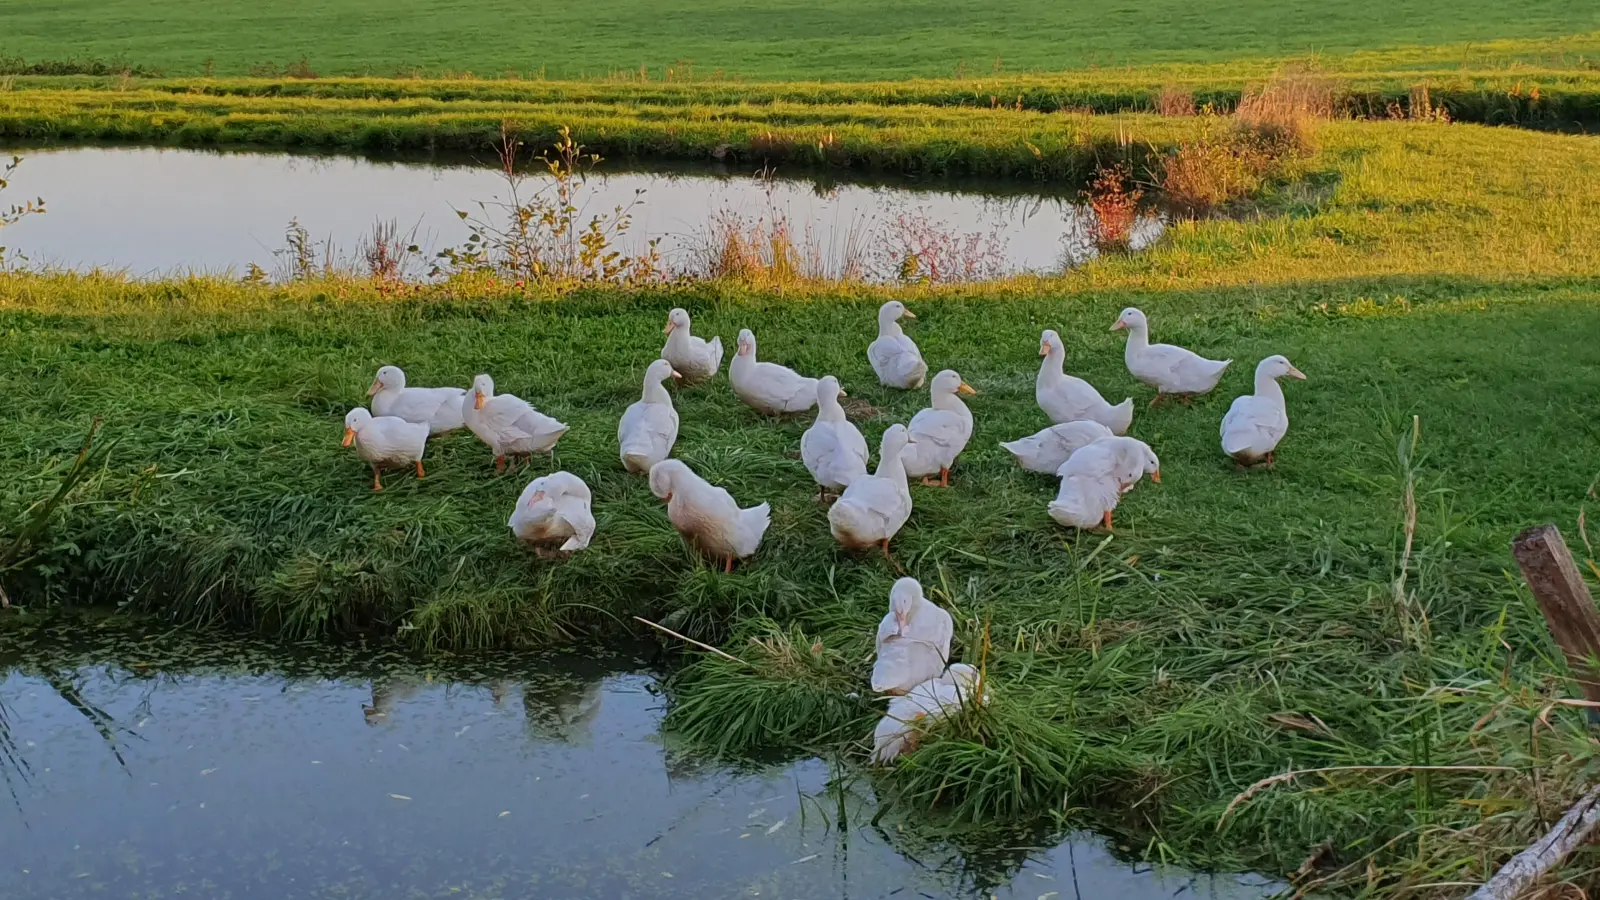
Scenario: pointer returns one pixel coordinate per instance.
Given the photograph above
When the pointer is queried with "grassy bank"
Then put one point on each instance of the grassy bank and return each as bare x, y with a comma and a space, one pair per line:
1234, 627
825, 39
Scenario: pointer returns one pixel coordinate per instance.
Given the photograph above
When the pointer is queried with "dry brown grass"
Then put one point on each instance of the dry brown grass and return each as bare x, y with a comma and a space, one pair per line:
1283, 113
1175, 101
1204, 175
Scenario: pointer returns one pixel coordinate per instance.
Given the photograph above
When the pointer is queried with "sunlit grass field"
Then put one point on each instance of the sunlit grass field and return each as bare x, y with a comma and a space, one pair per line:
826, 40
1437, 284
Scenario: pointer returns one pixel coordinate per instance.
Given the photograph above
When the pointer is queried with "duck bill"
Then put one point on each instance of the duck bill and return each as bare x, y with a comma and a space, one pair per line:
537, 496
349, 437
908, 314
676, 375
900, 624
1119, 326
842, 393
668, 329
478, 401
1296, 373
1044, 349
1156, 476
966, 389
376, 387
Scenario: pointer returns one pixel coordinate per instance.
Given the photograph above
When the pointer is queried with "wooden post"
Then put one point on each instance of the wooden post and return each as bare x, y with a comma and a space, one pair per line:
1564, 599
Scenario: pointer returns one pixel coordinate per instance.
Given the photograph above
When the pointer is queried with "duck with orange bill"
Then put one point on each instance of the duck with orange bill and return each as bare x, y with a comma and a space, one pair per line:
1067, 398
1255, 423
940, 432
694, 358
437, 408
1167, 368
768, 388
385, 442
508, 424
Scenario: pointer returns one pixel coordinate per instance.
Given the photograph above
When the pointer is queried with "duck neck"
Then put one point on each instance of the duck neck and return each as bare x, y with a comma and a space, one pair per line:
1138, 339
1267, 389
1051, 369
655, 392
889, 325
678, 339
829, 410
948, 402
890, 466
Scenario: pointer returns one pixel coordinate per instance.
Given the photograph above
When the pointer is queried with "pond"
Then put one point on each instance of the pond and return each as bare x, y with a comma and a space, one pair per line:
160, 211
143, 762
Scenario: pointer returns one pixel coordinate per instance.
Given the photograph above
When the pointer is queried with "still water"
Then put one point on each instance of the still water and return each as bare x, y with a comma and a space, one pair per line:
158, 211
139, 762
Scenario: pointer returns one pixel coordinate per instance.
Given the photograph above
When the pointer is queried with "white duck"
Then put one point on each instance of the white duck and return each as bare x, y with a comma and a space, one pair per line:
833, 449
437, 408
695, 358
913, 642
768, 387
1167, 368
940, 432
507, 423
1065, 398
894, 356
707, 515
649, 426
1045, 451
1255, 423
385, 441
873, 507
928, 702
554, 509
1094, 479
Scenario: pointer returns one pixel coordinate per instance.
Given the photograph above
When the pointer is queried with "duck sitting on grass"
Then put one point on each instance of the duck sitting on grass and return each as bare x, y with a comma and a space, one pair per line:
554, 509
385, 441
909, 716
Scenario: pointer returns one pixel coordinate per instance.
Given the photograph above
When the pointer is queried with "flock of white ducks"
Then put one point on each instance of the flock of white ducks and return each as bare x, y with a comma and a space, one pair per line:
1085, 447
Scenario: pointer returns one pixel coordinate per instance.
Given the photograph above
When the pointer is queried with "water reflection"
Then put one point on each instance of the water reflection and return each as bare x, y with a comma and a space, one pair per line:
162, 210
144, 763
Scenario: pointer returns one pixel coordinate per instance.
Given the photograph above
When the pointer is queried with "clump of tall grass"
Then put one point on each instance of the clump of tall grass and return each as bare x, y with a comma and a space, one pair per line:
995, 759
1283, 113
1175, 101
787, 691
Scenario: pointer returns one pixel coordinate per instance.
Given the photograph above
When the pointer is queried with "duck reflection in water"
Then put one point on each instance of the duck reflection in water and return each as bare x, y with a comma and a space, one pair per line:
386, 691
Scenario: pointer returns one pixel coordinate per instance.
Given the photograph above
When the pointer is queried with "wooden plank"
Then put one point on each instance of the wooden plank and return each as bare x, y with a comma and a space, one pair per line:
1526, 868
1564, 599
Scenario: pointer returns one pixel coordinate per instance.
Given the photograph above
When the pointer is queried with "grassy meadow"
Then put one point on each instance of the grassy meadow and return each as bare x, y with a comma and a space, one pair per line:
1234, 627
1357, 606
821, 39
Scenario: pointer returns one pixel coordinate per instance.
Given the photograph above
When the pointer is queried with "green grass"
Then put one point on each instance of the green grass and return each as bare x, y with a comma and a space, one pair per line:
1234, 627
814, 40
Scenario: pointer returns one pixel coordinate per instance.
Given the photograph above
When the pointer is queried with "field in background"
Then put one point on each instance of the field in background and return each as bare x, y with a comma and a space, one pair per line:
816, 39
